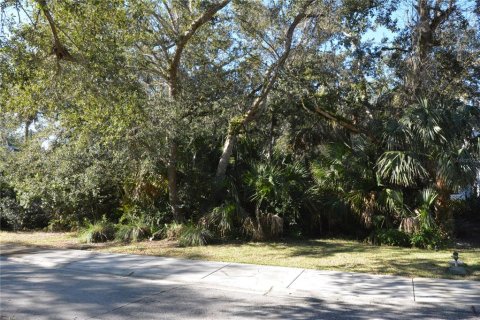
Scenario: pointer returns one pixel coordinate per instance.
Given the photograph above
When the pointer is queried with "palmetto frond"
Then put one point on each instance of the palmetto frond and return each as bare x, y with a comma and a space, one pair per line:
458, 169
426, 124
428, 197
424, 211
223, 218
401, 168
398, 135
393, 201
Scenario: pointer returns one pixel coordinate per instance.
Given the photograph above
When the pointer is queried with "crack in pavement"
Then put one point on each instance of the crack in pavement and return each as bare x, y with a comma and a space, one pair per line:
216, 270
298, 276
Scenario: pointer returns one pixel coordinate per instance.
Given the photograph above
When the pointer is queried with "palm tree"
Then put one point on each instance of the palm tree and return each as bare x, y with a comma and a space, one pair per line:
432, 146
277, 190
406, 176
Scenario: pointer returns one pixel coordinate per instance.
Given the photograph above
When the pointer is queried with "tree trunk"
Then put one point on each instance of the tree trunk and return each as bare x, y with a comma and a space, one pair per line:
270, 79
226, 154
259, 233
443, 212
174, 90
173, 183
429, 19
271, 141
27, 130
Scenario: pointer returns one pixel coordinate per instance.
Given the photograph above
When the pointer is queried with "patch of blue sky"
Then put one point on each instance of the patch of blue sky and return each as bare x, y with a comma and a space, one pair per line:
405, 16
13, 14
402, 17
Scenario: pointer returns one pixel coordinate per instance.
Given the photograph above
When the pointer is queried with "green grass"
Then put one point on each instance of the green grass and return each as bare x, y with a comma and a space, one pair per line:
331, 254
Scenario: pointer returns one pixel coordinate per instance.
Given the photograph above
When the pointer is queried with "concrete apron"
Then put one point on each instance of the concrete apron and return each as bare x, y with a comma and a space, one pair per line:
268, 280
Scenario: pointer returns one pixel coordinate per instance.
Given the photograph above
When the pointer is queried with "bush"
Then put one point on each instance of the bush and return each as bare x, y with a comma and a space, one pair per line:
173, 231
62, 223
222, 218
15, 217
194, 235
427, 238
132, 228
10, 214
100, 231
393, 237
188, 234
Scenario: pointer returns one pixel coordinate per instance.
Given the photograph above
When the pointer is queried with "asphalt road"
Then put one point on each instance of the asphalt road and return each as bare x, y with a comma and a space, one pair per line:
39, 283
31, 292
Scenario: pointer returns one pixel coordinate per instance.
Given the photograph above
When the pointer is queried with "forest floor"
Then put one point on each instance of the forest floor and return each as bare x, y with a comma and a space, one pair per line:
323, 254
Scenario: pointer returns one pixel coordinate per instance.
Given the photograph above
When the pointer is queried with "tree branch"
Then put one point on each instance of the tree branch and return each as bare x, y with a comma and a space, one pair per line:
185, 37
173, 19
273, 72
441, 17
58, 49
339, 120
269, 81
394, 49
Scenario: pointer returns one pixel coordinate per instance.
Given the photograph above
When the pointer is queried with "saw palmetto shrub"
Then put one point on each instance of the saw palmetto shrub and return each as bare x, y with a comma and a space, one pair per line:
99, 231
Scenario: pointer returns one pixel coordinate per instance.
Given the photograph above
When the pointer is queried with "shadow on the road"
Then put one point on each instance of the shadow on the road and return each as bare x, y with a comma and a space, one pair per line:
29, 292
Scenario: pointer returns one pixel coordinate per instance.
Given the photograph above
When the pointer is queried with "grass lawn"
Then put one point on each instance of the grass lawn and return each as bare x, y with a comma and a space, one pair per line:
330, 254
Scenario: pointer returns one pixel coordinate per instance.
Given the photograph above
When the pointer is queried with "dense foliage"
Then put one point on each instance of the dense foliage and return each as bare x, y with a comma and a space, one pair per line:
197, 120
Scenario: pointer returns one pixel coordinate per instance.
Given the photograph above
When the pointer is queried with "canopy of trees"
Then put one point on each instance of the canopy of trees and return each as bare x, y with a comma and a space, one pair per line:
242, 118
